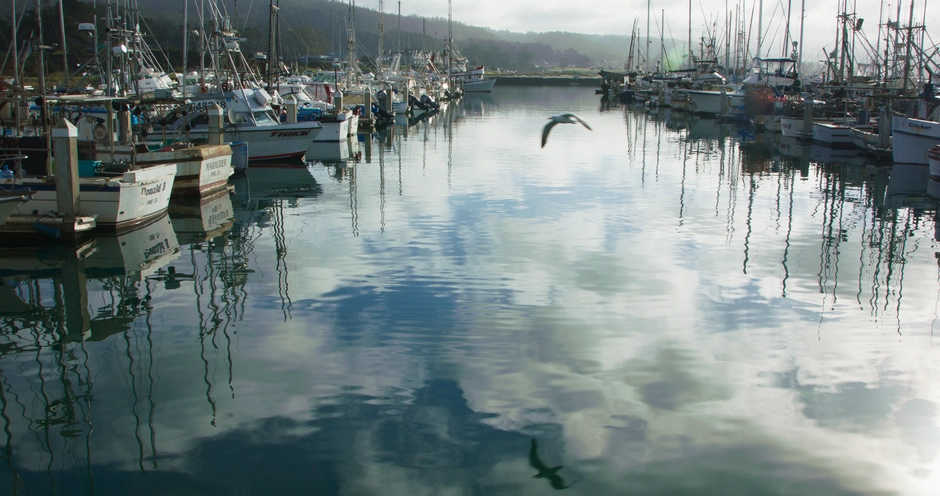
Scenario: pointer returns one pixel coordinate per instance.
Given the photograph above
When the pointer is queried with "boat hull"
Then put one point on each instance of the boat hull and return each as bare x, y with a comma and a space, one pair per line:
933, 161
8, 205
118, 204
333, 131
912, 139
199, 170
284, 141
791, 127
870, 143
479, 86
709, 102
832, 135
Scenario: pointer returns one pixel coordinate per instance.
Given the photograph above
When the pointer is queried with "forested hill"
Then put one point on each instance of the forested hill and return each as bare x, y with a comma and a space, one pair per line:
317, 27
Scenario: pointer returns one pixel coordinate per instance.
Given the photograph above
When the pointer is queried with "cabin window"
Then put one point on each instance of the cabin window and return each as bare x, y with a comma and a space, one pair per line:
263, 117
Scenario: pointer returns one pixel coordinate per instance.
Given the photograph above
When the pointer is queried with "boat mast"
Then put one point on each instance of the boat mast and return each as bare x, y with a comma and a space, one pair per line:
40, 60
273, 52
648, 41
450, 38
691, 55
65, 50
16, 57
662, 43
907, 55
378, 59
185, 43
799, 61
760, 24
727, 36
351, 38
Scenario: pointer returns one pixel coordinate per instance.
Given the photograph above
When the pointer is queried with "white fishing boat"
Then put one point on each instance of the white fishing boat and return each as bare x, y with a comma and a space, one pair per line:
709, 103
791, 127
473, 80
9, 201
249, 118
120, 202
199, 169
869, 141
832, 135
338, 124
912, 139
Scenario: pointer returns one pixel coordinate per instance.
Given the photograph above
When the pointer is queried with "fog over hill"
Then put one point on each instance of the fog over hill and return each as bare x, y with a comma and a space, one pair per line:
316, 27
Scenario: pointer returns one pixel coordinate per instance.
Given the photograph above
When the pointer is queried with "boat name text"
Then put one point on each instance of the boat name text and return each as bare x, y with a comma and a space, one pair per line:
158, 249
288, 134
152, 190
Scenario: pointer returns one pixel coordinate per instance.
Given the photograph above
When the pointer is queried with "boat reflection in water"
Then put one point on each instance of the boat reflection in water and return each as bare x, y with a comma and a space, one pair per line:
662, 312
202, 218
59, 309
333, 152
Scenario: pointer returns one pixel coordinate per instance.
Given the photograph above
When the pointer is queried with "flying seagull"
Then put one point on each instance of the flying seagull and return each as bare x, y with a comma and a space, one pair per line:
546, 472
561, 119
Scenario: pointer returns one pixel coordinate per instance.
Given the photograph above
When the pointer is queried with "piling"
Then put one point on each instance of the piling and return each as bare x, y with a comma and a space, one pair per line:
407, 97
389, 106
290, 103
124, 124
65, 150
367, 101
338, 100
808, 116
884, 129
77, 320
216, 124
722, 104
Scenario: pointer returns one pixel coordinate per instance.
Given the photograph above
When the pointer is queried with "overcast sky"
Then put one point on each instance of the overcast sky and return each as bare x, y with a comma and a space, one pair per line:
616, 17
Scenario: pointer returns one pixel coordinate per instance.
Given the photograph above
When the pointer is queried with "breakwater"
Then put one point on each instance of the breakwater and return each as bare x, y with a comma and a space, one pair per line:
593, 81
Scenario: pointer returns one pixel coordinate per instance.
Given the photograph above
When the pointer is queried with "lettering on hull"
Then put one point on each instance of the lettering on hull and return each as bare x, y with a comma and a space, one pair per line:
289, 134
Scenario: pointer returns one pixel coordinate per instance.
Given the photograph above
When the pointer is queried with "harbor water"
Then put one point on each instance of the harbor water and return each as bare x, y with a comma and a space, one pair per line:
659, 305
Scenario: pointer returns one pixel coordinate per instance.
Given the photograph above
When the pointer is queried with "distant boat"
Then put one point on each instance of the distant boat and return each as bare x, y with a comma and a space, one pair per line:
473, 80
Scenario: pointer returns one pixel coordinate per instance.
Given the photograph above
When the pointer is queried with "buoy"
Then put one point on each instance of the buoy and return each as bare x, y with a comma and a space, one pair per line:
47, 231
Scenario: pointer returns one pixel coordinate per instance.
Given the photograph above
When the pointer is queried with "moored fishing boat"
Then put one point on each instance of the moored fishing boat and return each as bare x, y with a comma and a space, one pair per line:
870, 142
912, 139
9, 201
709, 102
118, 202
250, 119
199, 169
832, 135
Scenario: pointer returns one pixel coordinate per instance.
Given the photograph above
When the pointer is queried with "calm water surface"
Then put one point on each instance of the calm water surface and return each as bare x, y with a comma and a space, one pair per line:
665, 306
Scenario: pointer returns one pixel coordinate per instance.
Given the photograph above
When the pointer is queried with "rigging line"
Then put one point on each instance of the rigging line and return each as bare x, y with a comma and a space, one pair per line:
247, 15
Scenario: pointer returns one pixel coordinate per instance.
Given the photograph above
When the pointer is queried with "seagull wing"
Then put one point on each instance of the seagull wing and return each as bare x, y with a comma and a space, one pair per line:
557, 482
534, 459
578, 119
545, 130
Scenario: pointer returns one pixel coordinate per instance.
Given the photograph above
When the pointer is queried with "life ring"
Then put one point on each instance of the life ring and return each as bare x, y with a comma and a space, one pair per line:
100, 132
225, 86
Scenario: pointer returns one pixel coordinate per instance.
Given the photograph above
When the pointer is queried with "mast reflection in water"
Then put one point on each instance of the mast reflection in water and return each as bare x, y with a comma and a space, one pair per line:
667, 305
